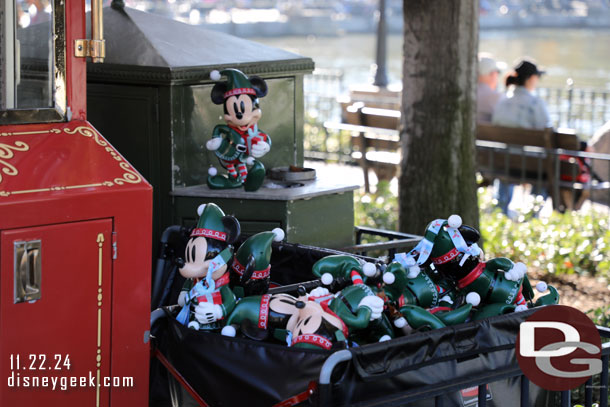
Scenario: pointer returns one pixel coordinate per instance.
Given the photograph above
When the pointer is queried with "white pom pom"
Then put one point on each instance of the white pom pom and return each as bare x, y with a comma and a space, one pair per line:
250, 160
541, 287
279, 234
200, 209
389, 278
228, 331
520, 308
369, 269
413, 272
212, 171
400, 322
194, 325
520, 269
454, 221
215, 75
327, 278
473, 298
385, 338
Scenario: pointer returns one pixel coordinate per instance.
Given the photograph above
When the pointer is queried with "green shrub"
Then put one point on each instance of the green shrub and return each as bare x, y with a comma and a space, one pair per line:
378, 210
572, 242
600, 316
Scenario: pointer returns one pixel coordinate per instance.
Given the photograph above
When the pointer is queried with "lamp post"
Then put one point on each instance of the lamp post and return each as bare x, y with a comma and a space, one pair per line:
381, 76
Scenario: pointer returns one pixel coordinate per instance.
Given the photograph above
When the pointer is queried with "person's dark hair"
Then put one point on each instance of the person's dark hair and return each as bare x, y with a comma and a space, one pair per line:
515, 79
523, 71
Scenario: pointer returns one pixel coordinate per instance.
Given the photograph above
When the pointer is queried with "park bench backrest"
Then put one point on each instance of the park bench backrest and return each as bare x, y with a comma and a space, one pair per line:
519, 166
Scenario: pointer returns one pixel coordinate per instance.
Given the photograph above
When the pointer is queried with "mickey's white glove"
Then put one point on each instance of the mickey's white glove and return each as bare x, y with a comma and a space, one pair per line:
213, 144
319, 292
374, 303
182, 298
260, 149
206, 312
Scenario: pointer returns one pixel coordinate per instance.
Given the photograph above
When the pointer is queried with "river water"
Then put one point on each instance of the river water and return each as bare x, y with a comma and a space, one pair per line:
580, 54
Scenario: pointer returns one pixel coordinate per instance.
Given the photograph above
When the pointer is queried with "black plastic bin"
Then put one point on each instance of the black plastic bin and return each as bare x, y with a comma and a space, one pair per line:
423, 369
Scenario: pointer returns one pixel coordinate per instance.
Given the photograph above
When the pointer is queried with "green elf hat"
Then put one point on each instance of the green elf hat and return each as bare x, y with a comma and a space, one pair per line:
237, 82
210, 223
257, 247
442, 243
443, 250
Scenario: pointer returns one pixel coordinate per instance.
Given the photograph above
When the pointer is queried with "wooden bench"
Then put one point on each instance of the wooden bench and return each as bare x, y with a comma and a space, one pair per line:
375, 140
373, 148
522, 156
513, 155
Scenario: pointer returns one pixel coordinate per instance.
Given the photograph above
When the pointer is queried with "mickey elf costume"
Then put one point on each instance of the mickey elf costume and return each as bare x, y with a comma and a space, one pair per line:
239, 142
206, 297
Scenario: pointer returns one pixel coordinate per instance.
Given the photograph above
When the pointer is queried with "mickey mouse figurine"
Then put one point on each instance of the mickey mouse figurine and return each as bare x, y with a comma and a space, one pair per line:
495, 287
206, 297
238, 143
251, 269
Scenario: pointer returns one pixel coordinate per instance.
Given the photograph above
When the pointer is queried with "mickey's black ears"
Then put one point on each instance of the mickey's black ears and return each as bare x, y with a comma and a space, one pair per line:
218, 93
470, 234
232, 228
259, 85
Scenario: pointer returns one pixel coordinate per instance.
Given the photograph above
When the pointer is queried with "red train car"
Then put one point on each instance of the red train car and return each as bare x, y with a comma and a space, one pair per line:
75, 226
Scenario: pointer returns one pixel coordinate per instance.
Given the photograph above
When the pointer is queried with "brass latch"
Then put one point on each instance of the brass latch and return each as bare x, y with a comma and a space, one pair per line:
27, 272
96, 49
96, 46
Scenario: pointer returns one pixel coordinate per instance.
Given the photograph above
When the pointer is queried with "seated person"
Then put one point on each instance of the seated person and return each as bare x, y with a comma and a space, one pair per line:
487, 94
521, 108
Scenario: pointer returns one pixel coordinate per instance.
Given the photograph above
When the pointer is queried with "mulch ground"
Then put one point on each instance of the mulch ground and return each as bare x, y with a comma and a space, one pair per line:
581, 292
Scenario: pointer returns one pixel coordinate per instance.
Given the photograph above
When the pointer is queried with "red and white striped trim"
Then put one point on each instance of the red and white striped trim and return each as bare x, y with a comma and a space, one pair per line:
313, 339
212, 234
356, 277
257, 275
263, 315
447, 257
239, 91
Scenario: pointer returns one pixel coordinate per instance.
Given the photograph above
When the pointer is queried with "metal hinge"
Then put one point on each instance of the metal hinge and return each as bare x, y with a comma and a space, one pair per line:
115, 250
96, 49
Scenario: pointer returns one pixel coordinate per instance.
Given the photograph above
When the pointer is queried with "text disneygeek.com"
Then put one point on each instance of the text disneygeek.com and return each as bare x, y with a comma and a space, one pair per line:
17, 380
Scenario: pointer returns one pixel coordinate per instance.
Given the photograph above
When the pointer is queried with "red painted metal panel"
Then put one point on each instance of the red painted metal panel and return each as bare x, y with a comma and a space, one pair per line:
69, 173
76, 68
66, 333
61, 159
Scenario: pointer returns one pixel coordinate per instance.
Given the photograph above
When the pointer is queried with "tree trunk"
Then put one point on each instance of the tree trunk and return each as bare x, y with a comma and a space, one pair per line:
438, 113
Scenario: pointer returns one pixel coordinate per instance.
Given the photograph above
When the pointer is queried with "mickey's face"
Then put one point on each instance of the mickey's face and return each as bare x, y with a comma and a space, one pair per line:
242, 111
285, 304
198, 254
313, 317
